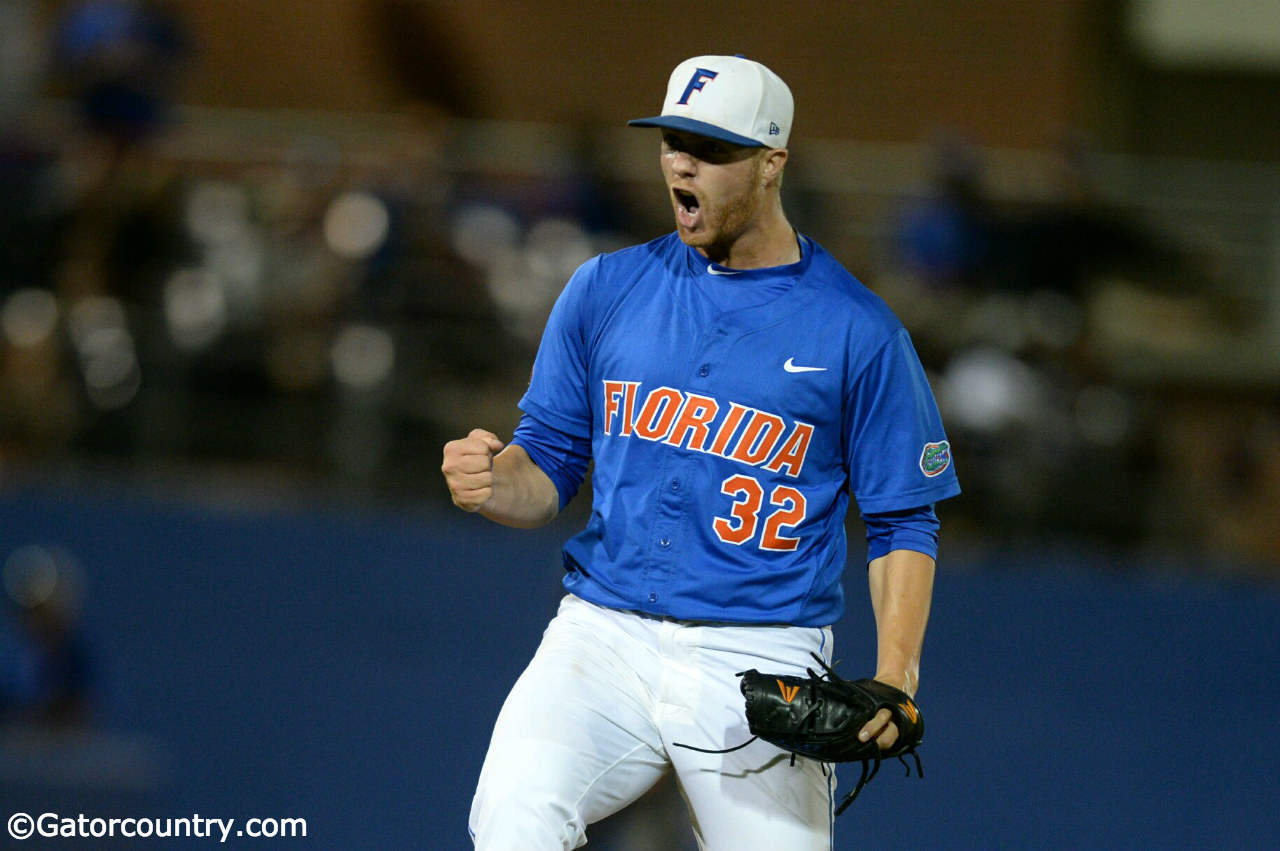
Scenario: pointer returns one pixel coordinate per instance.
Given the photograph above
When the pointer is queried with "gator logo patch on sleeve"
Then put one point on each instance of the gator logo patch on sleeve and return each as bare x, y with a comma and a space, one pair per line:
935, 458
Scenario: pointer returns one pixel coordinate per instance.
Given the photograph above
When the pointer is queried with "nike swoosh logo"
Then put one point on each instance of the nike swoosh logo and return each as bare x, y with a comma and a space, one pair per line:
712, 270
790, 366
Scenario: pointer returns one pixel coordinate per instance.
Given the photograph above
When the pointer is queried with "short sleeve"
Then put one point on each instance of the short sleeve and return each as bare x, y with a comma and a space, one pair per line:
899, 456
557, 393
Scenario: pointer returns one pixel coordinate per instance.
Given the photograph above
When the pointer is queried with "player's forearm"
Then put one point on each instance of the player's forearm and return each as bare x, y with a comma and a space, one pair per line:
523, 495
901, 592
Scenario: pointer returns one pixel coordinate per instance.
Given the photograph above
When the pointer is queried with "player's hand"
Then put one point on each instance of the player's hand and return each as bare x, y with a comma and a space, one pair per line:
881, 726
468, 468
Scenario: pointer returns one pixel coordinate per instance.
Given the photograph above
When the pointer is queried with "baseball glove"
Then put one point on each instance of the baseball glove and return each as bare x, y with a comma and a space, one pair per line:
819, 717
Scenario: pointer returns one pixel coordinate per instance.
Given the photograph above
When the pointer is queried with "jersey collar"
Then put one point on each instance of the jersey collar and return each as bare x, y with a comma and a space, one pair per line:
768, 274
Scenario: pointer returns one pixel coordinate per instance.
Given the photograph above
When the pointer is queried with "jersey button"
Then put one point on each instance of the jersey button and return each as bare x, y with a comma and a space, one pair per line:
664, 542
704, 370
675, 484
653, 598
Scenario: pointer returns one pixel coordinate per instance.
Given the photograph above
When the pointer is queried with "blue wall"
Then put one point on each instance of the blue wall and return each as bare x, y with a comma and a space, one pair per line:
346, 667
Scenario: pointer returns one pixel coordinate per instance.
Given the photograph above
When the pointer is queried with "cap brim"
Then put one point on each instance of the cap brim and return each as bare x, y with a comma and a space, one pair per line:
702, 128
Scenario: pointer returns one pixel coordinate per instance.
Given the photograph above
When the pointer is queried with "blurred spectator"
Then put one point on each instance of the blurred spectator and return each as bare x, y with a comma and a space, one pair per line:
120, 59
958, 236
47, 678
1080, 238
944, 239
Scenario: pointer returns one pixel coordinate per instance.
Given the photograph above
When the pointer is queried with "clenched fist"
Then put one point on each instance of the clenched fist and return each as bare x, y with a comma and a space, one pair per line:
468, 468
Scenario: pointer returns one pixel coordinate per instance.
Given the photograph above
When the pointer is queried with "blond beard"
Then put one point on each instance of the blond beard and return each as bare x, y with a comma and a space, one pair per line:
734, 218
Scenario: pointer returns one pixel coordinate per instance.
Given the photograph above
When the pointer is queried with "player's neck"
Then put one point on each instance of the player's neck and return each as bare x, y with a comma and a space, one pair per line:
769, 242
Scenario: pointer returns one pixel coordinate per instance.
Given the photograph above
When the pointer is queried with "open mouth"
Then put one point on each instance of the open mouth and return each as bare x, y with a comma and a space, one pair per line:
687, 208
686, 199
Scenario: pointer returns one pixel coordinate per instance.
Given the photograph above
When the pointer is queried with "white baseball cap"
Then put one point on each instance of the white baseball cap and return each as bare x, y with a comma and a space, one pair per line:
729, 98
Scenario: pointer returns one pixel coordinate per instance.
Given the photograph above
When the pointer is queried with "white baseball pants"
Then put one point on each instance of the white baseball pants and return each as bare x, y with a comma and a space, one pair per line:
591, 725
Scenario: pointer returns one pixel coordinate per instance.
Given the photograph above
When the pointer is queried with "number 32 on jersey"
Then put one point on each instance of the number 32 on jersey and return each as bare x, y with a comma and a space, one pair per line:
785, 510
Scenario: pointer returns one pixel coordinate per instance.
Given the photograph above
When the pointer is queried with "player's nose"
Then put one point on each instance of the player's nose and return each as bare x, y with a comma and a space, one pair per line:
683, 164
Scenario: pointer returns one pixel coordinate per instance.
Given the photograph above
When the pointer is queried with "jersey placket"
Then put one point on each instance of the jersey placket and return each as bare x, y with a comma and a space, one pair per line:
673, 501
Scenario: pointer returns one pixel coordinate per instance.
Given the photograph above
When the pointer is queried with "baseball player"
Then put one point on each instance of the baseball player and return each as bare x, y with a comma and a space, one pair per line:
734, 385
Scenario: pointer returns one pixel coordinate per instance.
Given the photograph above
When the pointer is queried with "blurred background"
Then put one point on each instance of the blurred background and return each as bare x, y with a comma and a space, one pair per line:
260, 260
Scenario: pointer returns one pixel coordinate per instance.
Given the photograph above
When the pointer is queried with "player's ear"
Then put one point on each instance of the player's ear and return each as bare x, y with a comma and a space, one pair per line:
774, 162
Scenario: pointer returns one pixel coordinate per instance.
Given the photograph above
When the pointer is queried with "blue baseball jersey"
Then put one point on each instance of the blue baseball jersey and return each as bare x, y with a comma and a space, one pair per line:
730, 415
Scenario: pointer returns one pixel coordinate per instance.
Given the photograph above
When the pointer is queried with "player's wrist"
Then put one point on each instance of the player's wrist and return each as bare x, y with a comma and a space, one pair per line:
906, 681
